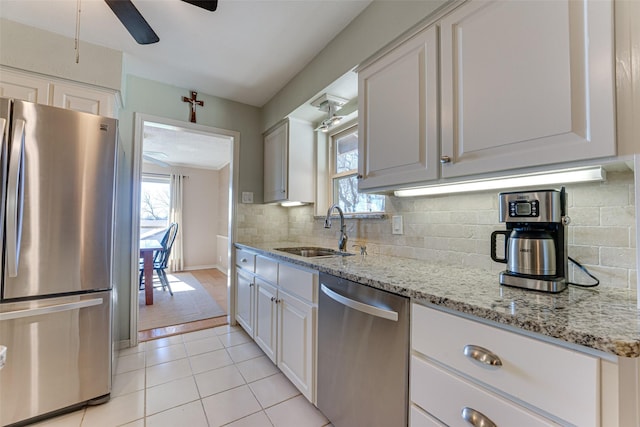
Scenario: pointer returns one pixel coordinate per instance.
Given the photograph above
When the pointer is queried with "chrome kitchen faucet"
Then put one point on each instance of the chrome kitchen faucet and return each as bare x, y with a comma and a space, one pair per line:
342, 243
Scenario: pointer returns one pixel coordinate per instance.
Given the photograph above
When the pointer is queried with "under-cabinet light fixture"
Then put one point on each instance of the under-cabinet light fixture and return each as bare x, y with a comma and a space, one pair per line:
565, 176
291, 204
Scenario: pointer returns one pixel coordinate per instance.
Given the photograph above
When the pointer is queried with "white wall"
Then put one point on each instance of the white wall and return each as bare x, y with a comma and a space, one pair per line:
200, 213
36, 50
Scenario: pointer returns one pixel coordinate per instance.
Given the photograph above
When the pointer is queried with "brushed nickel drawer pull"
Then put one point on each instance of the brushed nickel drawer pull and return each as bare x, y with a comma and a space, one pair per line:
482, 355
243, 260
475, 418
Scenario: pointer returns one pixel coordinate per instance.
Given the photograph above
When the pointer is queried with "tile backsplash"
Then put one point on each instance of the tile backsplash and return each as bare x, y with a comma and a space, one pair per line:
455, 229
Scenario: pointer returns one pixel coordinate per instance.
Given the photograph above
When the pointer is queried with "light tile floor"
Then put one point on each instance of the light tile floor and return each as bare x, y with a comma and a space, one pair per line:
213, 377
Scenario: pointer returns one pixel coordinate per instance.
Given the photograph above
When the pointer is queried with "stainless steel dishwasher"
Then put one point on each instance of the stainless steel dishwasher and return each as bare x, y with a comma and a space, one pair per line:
363, 354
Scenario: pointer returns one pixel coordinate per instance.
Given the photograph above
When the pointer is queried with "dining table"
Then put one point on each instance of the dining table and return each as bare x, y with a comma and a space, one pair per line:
147, 249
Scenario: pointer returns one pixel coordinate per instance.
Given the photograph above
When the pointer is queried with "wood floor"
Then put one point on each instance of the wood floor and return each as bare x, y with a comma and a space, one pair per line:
215, 282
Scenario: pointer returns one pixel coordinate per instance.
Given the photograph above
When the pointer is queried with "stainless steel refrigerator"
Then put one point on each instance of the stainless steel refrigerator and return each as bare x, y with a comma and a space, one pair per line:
58, 185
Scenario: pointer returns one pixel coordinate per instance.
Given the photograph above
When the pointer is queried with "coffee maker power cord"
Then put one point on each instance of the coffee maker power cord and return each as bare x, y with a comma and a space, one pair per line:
583, 268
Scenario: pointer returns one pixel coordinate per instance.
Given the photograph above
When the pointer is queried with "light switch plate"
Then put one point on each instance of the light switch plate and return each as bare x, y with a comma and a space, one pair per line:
396, 224
247, 197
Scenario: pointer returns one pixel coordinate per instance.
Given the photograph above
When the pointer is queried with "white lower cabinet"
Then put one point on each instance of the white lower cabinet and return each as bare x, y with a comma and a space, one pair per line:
461, 369
419, 418
296, 342
457, 402
245, 301
266, 318
277, 306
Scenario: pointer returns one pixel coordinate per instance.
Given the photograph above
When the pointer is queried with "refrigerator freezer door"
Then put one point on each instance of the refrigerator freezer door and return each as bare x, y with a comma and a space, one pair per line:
58, 354
67, 217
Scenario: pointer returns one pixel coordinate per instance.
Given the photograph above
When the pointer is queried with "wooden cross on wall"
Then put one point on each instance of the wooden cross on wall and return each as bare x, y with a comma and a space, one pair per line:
193, 101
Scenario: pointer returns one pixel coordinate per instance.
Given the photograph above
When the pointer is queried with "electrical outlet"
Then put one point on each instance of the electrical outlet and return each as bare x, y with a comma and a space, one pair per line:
247, 197
396, 224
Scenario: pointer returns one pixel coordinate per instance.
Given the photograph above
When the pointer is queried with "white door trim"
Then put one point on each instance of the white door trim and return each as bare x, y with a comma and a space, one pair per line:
140, 119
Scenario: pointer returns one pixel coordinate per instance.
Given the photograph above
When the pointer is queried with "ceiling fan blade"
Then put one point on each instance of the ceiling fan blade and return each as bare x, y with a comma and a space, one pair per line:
210, 5
133, 21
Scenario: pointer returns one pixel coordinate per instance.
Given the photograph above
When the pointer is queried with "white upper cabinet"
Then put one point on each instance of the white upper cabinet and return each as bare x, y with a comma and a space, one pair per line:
58, 93
526, 83
24, 87
87, 100
398, 102
289, 162
490, 86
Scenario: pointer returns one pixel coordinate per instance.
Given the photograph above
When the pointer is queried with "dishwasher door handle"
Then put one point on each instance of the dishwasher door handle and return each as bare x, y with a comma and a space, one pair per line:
357, 305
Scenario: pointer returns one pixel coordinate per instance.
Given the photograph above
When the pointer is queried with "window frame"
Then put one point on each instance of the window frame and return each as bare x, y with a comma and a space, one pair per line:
333, 175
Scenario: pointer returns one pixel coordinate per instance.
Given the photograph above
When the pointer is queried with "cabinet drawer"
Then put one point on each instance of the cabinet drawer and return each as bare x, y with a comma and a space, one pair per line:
445, 396
267, 269
299, 282
245, 259
419, 418
557, 380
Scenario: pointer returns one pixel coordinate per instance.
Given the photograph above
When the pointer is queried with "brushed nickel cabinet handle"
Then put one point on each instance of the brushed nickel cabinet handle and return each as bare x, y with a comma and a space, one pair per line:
244, 260
476, 418
482, 355
445, 159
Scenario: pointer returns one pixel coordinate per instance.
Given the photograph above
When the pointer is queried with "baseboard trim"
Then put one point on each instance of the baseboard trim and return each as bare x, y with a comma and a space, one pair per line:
200, 267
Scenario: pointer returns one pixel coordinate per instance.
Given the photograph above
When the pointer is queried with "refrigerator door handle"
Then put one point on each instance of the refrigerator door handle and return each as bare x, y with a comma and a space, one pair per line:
15, 197
3, 177
21, 314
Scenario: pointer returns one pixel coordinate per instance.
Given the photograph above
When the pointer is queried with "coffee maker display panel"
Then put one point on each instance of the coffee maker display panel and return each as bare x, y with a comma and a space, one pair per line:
532, 206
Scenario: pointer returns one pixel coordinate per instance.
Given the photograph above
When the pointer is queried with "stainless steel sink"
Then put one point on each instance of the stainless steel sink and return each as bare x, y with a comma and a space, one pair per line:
309, 251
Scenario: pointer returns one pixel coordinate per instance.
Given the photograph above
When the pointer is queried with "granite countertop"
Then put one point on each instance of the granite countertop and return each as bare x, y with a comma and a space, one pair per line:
605, 319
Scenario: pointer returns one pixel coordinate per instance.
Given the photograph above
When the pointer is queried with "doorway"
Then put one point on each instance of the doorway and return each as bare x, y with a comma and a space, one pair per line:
184, 173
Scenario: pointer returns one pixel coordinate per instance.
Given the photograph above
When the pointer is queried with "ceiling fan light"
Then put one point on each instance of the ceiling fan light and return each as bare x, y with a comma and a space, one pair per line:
336, 120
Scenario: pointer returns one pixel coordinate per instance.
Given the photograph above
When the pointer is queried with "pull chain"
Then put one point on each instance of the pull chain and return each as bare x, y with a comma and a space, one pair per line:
77, 39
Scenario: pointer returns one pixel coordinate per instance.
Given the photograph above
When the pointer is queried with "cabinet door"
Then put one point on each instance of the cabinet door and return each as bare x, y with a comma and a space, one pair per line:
526, 83
84, 99
245, 302
266, 318
296, 323
275, 164
398, 101
26, 88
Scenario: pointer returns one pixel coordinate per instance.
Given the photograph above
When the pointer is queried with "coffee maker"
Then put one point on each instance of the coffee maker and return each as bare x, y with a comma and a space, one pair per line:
535, 239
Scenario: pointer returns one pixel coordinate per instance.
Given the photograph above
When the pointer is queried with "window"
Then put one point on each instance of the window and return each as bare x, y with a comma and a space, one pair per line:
154, 204
344, 175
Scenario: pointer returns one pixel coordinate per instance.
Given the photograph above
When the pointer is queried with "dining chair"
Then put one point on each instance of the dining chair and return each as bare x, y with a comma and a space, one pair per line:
161, 259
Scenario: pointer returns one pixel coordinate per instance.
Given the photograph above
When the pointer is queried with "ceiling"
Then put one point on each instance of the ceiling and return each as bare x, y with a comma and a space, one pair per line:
245, 51
169, 146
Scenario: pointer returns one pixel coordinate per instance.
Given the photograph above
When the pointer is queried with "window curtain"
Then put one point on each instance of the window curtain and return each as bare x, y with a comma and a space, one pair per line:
175, 215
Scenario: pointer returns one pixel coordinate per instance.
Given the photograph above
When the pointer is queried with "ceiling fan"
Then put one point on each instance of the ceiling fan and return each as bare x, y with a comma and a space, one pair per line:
137, 26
